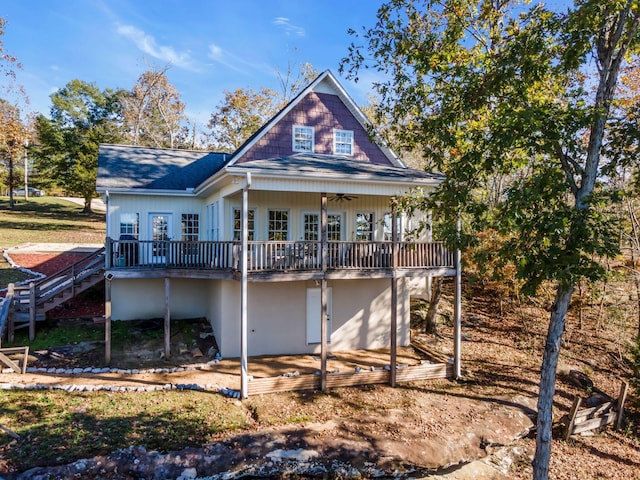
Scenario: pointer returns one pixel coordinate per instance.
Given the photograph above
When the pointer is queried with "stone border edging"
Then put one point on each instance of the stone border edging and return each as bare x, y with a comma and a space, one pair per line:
36, 275
228, 392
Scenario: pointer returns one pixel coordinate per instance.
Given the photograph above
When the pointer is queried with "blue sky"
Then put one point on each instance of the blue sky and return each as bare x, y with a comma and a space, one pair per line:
212, 45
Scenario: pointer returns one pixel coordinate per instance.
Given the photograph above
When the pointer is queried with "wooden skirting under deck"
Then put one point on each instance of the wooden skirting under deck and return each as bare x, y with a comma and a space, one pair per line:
259, 386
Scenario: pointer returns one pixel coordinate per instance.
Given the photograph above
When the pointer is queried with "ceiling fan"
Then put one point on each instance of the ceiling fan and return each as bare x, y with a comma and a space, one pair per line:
340, 197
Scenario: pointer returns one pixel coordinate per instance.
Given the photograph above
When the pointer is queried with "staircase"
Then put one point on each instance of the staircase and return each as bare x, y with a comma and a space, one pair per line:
31, 302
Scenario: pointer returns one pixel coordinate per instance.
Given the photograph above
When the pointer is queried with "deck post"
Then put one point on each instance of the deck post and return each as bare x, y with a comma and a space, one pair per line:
457, 313
11, 326
32, 311
429, 238
393, 337
323, 291
107, 321
244, 373
167, 317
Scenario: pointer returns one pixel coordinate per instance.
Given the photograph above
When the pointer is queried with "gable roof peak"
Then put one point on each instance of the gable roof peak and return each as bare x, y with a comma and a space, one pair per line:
325, 82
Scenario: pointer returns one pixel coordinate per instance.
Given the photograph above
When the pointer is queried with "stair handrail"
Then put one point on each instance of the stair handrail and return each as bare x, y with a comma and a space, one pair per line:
4, 308
71, 274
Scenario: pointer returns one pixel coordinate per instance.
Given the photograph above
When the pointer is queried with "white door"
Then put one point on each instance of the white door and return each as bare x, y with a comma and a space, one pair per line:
313, 315
160, 231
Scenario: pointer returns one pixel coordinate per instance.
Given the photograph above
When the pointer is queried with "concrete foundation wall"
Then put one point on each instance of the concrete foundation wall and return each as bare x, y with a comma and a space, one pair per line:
144, 298
277, 317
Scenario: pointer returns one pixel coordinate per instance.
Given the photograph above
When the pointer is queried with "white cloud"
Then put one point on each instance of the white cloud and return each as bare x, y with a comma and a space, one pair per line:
236, 62
288, 27
147, 44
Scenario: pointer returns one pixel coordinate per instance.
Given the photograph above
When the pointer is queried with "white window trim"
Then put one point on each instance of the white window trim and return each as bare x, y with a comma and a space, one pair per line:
289, 222
373, 224
255, 221
335, 142
293, 138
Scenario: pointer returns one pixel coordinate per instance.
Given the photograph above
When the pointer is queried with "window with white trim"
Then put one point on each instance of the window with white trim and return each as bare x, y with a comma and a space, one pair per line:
237, 224
311, 226
278, 225
387, 225
343, 142
334, 227
364, 226
129, 223
190, 227
303, 138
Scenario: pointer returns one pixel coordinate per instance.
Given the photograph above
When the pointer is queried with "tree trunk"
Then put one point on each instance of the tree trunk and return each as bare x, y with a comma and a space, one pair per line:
430, 318
548, 382
87, 205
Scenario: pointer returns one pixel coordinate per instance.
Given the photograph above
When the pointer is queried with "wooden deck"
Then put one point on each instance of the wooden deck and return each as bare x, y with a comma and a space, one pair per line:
259, 386
269, 261
286, 373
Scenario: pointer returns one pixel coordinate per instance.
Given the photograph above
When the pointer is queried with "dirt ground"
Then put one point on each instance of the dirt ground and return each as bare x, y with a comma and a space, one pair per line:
502, 348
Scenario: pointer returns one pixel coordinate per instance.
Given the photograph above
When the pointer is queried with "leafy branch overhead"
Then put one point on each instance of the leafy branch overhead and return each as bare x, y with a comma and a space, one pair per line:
517, 104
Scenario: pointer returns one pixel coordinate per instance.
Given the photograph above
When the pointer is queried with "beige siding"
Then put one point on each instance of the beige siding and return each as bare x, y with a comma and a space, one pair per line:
139, 299
300, 203
277, 317
143, 205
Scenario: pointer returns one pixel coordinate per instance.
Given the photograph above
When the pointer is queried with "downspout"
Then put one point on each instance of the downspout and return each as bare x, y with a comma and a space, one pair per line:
244, 374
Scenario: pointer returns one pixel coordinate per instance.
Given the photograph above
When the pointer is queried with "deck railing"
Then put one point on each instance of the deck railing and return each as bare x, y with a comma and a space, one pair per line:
266, 256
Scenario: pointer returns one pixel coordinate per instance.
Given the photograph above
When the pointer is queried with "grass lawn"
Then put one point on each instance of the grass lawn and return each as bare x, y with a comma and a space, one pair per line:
44, 220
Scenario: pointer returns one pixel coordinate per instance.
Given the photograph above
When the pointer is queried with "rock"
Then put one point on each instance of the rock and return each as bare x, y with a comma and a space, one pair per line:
196, 353
580, 379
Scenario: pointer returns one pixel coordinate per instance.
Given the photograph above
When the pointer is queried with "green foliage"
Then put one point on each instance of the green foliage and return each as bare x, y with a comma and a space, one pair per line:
240, 115
498, 99
82, 117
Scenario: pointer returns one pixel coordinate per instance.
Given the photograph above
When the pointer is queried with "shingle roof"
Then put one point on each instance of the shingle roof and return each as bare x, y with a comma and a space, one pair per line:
315, 165
126, 166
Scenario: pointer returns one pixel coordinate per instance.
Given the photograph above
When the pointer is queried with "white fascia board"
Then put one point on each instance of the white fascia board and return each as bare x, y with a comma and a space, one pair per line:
364, 178
147, 192
219, 179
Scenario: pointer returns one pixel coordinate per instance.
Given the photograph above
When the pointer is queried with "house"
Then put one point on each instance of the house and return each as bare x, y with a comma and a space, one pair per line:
289, 245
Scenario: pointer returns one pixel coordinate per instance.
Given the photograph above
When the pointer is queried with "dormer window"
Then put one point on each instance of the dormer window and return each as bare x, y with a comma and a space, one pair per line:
302, 139
343, 142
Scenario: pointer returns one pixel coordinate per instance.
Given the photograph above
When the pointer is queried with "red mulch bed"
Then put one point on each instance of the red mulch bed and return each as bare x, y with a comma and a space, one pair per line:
89, 303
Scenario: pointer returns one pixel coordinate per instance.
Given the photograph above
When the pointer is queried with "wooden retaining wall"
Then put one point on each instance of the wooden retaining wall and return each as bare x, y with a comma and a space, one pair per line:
259, 386
607, 413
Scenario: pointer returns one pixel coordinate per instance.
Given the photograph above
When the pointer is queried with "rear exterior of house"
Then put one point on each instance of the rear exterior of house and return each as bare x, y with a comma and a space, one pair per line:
293, 231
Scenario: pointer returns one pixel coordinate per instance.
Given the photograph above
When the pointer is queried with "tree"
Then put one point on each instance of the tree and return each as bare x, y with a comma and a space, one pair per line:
82, 117
13, 133
490, 88
152, 111
244, 111
241, 114
13, 137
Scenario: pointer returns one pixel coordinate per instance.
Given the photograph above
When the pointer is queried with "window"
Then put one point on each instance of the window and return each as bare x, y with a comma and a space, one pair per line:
129, 223
312, 227
334, 227
237, 224
190, 227
302, 139
190, 232
278, 225
364, 227
343, 142
387, 225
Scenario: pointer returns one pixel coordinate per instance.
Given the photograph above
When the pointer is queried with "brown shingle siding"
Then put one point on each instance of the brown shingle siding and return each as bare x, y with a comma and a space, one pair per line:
325, 113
